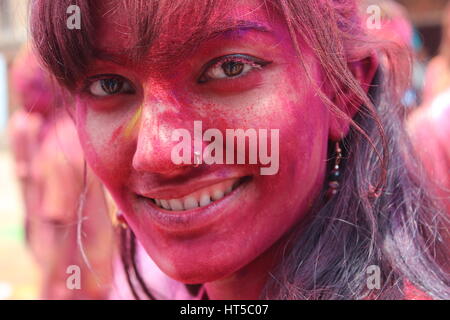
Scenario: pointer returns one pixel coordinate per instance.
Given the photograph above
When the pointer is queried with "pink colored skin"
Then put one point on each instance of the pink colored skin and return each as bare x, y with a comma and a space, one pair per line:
437, 78
49, 164
429, 130
29, 83
56, 185
32, 87
398, 30
436, 81
153, 277
24, 129
232, 253
31, 91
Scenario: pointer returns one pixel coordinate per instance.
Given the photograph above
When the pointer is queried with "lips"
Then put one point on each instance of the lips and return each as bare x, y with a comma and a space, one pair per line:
225, 197
199, 198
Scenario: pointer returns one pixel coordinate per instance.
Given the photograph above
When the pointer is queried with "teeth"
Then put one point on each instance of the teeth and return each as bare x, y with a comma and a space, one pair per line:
205, 199
164, 204
190, 203
200, 198
217, 194
176, 204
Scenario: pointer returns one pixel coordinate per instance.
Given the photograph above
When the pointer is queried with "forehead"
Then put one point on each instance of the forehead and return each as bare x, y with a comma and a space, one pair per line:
170, 29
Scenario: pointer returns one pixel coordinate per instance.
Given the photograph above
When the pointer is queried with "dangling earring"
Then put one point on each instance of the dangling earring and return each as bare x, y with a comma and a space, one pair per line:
333, 184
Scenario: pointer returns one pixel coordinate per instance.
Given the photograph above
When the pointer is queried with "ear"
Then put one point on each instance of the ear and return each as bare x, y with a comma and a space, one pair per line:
348, 102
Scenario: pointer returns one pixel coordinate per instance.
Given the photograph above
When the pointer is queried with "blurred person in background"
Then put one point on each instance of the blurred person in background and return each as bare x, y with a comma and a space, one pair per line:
29, 121
429, 127
430, 131
437, 79
67, 225
429, 124
396, 28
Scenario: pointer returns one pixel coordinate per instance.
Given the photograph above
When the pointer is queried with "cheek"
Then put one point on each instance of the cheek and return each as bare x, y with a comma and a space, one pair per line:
295, 109
290, 106
303, 145
107, 146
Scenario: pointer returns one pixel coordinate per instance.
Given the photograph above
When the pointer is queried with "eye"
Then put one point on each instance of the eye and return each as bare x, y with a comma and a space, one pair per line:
230, 66
107, 85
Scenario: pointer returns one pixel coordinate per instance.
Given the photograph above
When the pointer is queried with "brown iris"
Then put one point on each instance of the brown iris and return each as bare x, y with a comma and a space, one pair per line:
232, 68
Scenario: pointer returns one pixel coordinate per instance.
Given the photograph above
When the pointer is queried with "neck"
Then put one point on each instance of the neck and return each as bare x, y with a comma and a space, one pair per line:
248, 282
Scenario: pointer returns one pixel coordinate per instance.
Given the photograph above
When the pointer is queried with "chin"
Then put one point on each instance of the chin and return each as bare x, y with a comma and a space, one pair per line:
206, 260
195, 275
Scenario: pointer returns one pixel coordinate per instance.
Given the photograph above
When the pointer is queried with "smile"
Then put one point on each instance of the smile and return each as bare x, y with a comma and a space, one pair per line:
200, 198
175, 210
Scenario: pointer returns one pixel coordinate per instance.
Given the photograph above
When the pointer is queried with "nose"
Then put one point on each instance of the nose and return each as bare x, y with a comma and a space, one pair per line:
153, 154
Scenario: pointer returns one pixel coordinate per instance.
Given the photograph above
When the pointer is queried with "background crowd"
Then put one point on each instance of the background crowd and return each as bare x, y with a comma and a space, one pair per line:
43, 177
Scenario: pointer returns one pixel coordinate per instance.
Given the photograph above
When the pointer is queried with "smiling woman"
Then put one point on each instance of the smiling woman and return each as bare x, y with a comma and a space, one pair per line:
141, 69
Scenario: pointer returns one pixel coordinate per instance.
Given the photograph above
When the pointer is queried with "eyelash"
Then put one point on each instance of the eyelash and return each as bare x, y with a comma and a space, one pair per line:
240, 60
244, 60
129, 88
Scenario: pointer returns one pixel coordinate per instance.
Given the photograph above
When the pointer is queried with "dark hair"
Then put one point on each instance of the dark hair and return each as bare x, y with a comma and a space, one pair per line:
382, 214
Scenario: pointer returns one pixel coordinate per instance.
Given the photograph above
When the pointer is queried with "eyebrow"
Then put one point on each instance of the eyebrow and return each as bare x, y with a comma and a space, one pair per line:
228, 28
239, 25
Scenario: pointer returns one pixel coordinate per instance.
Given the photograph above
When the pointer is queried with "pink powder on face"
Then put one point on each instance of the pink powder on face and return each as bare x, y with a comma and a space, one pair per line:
268, 206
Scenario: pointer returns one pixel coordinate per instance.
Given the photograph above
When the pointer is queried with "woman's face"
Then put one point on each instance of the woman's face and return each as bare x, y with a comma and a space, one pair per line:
245, 78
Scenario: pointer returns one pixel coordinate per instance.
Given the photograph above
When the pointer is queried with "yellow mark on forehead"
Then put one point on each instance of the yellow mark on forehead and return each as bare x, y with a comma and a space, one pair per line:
131, 125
